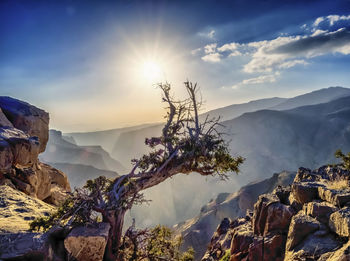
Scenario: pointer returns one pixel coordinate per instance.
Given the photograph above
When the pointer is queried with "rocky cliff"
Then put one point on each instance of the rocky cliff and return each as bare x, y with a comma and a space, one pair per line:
23, 135
197, 232
309, 220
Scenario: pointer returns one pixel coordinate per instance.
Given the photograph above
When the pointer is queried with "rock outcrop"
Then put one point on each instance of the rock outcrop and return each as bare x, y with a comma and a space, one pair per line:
309, 220
87, 243
24, 132
198, 231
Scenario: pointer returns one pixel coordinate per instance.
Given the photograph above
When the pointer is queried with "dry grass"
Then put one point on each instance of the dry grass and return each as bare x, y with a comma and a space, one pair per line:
17, 210
339, 184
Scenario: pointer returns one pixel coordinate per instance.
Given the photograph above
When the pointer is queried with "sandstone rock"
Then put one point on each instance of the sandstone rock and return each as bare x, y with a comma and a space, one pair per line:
42, 181
313, 246
319, 210
300, 226
17, 148
271, 216
339, 222
27, 118
336, 197
242, 237
342, 254
278, 218
306, 175
260, 212
24, 246
87, 243
267, 248
304, 192
4, 122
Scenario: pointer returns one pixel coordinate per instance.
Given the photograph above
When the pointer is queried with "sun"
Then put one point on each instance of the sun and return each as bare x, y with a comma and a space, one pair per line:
152, 70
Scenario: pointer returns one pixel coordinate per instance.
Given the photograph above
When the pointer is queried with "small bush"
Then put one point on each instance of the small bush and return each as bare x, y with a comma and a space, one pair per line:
344, 158
227, 256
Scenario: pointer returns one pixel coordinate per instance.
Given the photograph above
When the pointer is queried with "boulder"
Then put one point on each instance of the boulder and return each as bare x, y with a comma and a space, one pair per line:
271, 216
17, 148
278, 218
304, 192
300, 227
242, 237
87, 243
319, 210
313, 246
336, 197
41, 181
28, 118
24, 246
4, 122
342, 254
339, 222
260, 212
267, 248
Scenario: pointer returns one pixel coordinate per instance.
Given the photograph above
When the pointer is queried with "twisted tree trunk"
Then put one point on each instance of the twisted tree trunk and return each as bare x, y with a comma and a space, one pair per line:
116, 220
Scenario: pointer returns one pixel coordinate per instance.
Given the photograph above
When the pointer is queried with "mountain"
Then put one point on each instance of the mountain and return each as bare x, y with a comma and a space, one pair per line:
320, 96
60, 150
305, 136
235, 110
79, 173
197, 232
131, 144
106, 139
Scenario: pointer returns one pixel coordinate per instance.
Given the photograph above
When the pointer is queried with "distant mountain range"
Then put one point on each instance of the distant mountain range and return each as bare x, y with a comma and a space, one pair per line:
80, 163
273, 134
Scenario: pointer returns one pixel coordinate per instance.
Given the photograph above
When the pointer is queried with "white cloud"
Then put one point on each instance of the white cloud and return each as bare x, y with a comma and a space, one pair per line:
210, 48
268, 57
318, 32
330, 19
229, 47
260, 79
318, 21
290, 64
212, 57
196, 51
267, 78
287, 52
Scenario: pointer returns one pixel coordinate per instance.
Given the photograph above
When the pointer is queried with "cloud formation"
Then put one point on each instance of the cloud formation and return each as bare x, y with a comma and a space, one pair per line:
326, 35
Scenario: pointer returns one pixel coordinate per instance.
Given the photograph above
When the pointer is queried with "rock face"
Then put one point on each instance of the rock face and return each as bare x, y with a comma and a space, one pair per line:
198, 231
24, 132
87, 243
309, 220
28, 118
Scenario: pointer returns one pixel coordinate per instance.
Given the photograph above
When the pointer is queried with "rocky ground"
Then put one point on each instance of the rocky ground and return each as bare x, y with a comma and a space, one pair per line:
19, 209
309, 220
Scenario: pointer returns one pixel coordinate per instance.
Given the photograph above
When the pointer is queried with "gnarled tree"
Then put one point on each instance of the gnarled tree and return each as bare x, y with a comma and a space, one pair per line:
185, 146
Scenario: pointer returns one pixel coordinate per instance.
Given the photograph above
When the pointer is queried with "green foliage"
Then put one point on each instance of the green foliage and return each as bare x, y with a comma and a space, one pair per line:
227, 256
345, 159
45, 223
159, 243
77, 209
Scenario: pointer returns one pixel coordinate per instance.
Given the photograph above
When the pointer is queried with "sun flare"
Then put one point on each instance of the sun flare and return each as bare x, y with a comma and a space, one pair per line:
151, 70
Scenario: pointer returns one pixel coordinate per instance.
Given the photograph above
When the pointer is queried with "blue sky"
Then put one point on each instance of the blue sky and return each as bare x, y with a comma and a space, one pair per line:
86, 61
